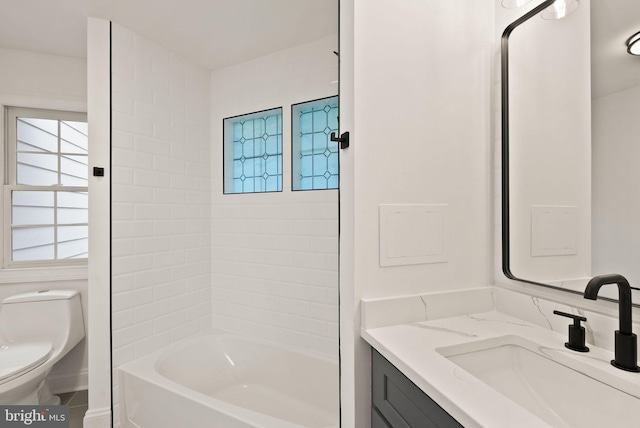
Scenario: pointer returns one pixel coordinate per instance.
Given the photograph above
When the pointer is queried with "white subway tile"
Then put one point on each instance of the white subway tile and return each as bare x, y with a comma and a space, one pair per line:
186, 211
168, 259
123, 103
295, 338
324, 345
122, 355
151, 145
122, 140
310, 261
123, 86
165, 132
131, 194
169, 227
200, 310
153, 278
151, 310
166, 322
186, 271
143, 91
131, 159
122, 319
274, 256
151, 344
181, 242
132, 299
311, 294
143, 110
201, 282
120, 211
121, 175
168, 164
131, 334
122, 247
167, 290
152, 245
311, 326
121, 283
130, 264
323, 312
167, 196
294, 307
152, 212
131, 229
156, 283
185, 330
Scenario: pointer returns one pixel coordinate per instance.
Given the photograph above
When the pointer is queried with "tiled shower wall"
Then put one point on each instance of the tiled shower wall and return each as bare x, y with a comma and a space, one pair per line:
275, 255
161, 184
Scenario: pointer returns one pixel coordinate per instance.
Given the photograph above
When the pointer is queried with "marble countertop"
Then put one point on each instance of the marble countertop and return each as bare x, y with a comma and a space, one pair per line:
412, 348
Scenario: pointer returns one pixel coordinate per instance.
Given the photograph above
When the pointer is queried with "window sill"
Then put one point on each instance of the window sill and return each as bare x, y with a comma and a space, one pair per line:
43, 274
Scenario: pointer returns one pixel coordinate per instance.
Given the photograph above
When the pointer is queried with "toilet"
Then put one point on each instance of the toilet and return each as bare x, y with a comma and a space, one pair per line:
37, 329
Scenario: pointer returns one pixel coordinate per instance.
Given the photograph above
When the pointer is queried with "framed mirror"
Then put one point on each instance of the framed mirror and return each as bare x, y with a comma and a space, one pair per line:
570, 198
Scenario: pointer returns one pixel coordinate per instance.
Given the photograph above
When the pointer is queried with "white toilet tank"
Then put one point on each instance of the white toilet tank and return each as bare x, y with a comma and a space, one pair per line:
48, 315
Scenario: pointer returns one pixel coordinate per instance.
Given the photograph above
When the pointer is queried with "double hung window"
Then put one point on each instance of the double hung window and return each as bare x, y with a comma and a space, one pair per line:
46, 211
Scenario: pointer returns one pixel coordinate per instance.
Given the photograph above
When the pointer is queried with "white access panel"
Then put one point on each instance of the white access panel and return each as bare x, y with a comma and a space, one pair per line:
554, 230
413, 234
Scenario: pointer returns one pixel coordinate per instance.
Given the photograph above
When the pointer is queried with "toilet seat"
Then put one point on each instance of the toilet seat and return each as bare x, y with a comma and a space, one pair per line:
19, 358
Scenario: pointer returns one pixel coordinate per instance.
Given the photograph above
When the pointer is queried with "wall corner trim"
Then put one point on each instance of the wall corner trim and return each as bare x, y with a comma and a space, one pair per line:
97, 418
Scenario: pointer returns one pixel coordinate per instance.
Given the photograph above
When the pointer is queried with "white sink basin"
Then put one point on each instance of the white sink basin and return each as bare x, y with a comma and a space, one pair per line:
551, 384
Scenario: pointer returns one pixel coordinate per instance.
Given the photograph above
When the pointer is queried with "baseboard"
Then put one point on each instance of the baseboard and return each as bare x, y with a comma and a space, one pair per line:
76, 380
97, 418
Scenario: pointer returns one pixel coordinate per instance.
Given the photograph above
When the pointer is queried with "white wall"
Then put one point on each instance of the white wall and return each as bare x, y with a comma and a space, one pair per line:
421, 135
161, 199
550, 135
616, 152
34, 80
275, 255
98, 414
30, 79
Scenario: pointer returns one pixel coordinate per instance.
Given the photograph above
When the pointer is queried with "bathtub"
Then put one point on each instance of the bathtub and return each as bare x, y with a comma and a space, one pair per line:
224, 380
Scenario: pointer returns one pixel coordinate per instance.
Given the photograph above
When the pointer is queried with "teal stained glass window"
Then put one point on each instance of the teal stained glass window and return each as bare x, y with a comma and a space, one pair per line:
314, 155
253, 152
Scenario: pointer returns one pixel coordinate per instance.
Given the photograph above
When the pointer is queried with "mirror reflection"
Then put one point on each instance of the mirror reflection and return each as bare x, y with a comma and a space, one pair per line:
574, 91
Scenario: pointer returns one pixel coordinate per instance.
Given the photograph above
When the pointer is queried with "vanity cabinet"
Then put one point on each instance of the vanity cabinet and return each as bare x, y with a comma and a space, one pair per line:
396, 402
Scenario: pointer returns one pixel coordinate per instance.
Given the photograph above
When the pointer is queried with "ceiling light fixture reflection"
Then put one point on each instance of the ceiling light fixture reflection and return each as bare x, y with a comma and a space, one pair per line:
512, 4
560, 9
633, 44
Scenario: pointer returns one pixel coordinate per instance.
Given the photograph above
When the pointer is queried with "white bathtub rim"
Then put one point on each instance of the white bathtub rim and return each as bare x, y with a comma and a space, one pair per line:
215, 331
245, 415
145, 368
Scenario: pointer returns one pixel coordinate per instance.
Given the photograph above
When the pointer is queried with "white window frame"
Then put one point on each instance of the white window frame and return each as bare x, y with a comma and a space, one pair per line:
10, 167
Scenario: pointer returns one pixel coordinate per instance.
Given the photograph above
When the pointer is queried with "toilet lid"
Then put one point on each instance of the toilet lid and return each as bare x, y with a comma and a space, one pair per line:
19, 358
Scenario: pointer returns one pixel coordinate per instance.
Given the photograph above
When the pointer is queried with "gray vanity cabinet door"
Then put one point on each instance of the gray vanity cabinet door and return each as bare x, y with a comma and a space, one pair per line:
400, 402
377, 421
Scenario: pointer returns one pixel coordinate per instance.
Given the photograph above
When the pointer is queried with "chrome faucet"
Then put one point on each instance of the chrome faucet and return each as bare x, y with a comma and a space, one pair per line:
626, 342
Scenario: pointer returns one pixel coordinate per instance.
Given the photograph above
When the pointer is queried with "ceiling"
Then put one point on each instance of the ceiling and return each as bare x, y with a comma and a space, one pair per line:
612, 68
211, 33
218, 33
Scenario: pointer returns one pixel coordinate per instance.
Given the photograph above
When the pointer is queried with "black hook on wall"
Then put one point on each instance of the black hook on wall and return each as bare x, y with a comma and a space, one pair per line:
343, 139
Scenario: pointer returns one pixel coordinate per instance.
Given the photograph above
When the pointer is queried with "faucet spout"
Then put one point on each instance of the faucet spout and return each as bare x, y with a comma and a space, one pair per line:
624, 297
626, 342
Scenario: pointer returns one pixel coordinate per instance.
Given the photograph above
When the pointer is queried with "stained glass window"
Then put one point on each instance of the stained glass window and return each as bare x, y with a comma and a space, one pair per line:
314, 155
253, 152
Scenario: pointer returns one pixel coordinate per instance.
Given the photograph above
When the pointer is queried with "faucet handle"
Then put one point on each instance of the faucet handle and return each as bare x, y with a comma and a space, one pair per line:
576, 332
